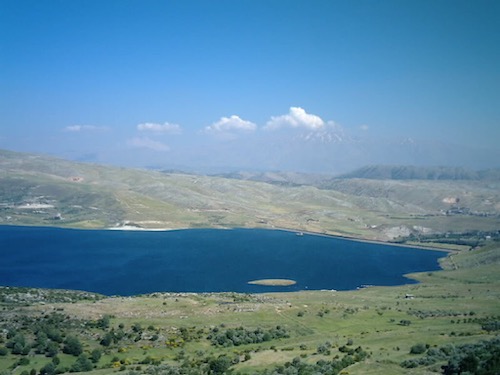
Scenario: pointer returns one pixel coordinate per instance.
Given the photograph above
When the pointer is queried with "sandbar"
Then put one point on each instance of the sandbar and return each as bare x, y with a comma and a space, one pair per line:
273, 282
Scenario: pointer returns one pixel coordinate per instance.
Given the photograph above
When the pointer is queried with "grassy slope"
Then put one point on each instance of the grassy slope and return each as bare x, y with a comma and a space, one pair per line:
106, 196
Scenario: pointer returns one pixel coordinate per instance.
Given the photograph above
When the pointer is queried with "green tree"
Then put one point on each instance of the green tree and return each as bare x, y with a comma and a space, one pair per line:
136, 327
469, 364
53, 333
82, 364
52, 349
41, 342
18, 344
104, 322
95, 355
48, 369
219, 365
107, 339
72, 346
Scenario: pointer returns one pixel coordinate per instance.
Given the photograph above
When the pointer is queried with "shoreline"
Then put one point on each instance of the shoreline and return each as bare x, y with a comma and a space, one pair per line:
132, 228
356, 239
262, 282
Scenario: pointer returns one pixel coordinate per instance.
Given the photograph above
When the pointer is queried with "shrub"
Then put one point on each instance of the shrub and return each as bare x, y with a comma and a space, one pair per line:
491, 326
418, 349
104, 322
323, 349
23, 361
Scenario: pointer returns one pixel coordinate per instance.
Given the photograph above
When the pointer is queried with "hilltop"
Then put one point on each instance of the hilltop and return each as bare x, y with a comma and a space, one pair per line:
41, 190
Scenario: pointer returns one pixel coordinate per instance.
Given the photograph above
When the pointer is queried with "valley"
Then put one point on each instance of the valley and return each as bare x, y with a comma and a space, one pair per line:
434, 326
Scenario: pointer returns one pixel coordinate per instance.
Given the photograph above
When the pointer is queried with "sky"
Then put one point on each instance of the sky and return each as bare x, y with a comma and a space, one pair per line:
312, 86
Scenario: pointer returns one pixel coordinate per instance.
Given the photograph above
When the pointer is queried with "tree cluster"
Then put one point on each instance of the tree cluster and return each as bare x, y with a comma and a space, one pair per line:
482, 358
241, 336
298, 367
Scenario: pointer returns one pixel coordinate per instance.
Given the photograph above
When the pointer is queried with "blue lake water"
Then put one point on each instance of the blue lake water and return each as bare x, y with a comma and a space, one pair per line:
198, 260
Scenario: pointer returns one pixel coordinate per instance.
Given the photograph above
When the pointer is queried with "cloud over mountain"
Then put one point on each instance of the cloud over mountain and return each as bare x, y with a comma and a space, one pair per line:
231, 124
294, 141
297, 117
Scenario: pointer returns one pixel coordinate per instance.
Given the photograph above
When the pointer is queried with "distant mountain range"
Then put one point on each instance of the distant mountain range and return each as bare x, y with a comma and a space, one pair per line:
372, 172
403, 172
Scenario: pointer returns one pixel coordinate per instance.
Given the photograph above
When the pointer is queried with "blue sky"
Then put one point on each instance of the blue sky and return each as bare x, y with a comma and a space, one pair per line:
296, 85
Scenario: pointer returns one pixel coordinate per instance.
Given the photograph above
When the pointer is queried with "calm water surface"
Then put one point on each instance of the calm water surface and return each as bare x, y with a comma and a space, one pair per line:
198, 260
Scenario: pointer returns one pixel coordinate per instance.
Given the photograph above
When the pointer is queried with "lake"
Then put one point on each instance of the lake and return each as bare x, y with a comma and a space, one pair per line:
199, 260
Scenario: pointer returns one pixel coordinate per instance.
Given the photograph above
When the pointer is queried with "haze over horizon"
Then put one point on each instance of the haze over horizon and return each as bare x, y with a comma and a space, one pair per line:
323, 86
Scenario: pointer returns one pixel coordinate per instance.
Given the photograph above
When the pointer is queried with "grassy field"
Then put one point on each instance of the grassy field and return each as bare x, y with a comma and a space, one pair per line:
448, 307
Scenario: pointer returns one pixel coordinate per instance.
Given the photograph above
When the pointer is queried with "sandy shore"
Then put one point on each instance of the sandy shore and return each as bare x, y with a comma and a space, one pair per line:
131, 227
356, 239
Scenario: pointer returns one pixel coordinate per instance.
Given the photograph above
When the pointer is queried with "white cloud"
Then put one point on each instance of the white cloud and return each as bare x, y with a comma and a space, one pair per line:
159, 128
364, 127
296, 118
231, 124
81, 128
145, 142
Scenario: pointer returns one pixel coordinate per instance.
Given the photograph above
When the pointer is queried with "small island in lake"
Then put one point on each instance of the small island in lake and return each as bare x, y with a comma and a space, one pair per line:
273, 282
